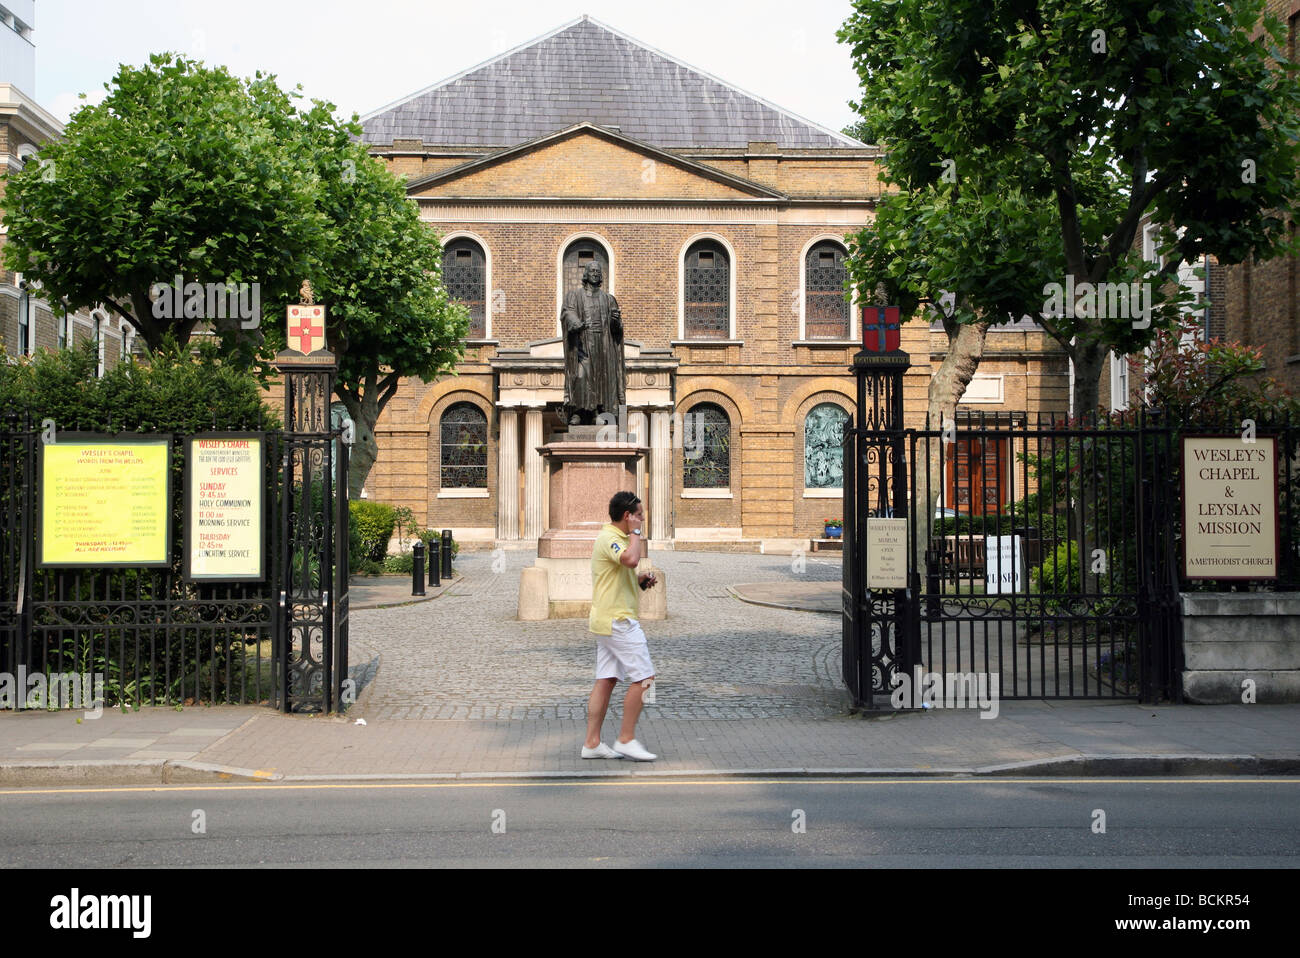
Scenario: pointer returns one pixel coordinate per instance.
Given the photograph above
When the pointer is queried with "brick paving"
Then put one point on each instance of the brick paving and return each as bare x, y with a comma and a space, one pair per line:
465, 656
463, 689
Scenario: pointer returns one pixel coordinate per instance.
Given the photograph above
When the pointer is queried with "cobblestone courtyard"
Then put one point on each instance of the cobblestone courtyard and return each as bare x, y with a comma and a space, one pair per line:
464, 655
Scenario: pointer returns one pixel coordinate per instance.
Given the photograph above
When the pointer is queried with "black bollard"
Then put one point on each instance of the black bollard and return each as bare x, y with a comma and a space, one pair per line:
417, 569
446, 553
435, 563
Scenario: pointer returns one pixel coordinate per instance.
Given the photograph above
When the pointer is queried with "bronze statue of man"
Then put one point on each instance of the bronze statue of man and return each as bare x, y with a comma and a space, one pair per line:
594, 378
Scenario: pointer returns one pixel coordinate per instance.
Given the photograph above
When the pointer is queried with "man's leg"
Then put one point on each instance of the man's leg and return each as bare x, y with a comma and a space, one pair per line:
631, 709
597, 705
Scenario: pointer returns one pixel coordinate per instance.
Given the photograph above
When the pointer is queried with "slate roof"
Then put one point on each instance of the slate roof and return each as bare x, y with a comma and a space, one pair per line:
587, 72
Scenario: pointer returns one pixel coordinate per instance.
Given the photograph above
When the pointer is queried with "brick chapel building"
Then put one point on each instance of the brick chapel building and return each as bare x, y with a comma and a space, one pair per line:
719, 220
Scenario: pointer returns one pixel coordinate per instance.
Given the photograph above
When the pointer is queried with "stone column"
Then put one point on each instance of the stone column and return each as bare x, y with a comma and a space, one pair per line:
508, 475
661, 479
637, 426
534, 474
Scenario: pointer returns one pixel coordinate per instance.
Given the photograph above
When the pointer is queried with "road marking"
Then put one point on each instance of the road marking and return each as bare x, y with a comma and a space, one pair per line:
353, 786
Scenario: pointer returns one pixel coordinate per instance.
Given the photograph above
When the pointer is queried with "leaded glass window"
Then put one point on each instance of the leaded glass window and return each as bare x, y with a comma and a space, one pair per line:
823, 449
464, 447
580, 254
706, 448
707, 294
826, 310
464, 273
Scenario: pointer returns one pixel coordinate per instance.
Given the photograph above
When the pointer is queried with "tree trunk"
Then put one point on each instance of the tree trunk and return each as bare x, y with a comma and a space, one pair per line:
947, 386
1088, 361
365, 449
1087, 373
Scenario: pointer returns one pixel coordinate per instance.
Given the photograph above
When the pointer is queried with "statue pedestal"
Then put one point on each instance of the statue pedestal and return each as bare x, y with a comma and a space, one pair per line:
585, 471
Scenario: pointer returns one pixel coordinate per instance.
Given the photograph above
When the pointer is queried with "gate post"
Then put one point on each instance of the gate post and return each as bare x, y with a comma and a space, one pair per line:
311, 672
876, 487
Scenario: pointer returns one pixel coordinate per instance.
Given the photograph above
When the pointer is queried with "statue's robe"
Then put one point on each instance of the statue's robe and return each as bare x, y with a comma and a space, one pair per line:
594, 378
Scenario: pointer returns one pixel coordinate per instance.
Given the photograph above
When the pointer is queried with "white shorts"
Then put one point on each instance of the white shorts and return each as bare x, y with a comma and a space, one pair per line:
624, 654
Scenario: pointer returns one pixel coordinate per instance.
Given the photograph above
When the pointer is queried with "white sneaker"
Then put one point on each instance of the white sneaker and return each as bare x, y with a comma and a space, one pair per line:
634, 750
600, 751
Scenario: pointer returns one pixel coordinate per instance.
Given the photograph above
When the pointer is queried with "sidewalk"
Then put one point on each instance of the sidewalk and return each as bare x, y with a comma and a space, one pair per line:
1027, 738
457, 687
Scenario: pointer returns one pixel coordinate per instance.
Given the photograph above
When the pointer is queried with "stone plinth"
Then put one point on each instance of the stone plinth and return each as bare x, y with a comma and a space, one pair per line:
585, 467
1232, 637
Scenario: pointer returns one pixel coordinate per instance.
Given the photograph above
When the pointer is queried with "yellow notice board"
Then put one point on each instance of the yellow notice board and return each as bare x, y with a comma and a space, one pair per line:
225, 476
105, 502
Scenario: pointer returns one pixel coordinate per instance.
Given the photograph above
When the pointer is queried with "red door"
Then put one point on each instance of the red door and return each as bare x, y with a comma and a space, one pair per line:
977, 478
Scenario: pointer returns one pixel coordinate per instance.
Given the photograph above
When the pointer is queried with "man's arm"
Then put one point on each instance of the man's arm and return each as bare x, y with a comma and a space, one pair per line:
632, 554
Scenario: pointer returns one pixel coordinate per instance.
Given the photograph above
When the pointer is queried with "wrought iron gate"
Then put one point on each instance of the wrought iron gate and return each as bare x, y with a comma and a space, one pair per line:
158, 639
1048, 562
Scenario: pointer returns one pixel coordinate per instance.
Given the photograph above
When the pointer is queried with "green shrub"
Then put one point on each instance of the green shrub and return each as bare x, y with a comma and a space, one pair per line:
374, 523
1060, 572
403, 562
370, 567
355, 556
431, 535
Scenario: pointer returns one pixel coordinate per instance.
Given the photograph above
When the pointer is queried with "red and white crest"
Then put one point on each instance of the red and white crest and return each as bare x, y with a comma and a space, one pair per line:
306, 328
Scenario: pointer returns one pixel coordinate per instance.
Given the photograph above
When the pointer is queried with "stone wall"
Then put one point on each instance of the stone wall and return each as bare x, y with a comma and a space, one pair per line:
1232, 637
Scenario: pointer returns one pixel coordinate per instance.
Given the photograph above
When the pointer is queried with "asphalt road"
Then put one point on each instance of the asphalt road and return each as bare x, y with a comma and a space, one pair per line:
928, 823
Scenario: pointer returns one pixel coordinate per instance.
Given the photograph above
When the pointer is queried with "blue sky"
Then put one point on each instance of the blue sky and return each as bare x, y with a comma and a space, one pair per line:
363, 55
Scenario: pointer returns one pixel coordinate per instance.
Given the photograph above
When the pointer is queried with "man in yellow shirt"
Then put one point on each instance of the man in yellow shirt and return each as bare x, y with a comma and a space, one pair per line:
621, 649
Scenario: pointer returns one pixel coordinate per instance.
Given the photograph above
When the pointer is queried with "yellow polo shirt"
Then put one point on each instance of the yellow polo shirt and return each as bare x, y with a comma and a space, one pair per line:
614, 590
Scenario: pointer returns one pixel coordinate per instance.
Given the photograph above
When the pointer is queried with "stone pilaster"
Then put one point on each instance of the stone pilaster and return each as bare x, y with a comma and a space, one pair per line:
661, 477
508, 475
637, 425
534, 474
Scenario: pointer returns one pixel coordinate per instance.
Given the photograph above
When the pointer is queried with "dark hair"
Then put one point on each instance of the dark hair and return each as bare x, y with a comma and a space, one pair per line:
621, 505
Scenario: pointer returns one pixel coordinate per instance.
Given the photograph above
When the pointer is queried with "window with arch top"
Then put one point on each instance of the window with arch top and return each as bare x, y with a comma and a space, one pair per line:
580, 254
706, 296
706, 448
464, 273
826, 310
823, 447
463, 447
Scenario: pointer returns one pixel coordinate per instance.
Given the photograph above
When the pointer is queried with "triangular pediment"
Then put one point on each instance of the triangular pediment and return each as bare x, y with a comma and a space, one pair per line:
587, 162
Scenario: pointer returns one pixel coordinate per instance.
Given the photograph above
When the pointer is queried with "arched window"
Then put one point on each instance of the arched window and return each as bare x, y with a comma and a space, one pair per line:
463, 445
823, 449
580, 254
826, 310
706, 296
464, 273
706, 448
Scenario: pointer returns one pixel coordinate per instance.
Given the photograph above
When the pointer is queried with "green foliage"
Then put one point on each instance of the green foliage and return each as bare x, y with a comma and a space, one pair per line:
1212, 383
381, 275
1060, 572
405, 526
1029, 140
402, 563
432, 535
370, 567
181, 169
178, 391
993, 525
374, 522
355, 548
